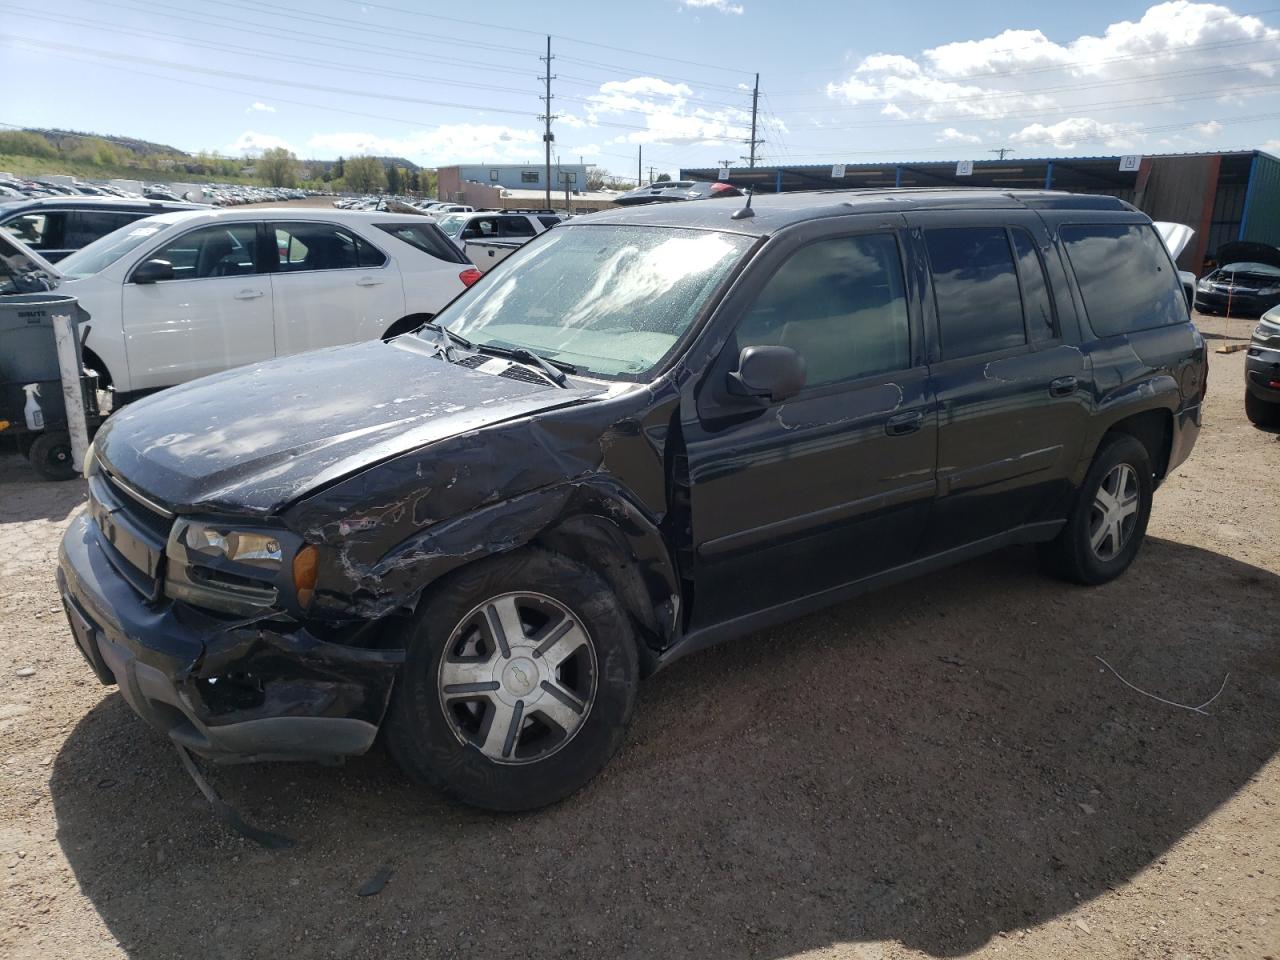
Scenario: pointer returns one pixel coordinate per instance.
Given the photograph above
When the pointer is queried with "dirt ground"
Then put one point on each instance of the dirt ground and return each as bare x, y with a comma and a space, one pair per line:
941, 769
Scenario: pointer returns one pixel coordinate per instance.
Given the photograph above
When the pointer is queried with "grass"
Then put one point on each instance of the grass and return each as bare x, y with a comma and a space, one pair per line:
21, 166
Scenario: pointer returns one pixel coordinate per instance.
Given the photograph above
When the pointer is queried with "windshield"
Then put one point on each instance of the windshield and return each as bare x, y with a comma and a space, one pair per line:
107, 250
1263, 270
611, 300
451, 225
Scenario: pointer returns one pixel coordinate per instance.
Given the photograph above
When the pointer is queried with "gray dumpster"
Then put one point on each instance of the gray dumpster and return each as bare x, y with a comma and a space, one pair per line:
32, 408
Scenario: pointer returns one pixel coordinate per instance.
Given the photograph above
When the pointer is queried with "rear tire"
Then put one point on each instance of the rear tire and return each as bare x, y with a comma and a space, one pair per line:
1260, 412
51, 455
1109, 520
519, 680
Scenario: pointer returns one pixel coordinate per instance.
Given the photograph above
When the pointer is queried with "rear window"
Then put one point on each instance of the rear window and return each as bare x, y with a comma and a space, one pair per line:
1125, 276
424, 238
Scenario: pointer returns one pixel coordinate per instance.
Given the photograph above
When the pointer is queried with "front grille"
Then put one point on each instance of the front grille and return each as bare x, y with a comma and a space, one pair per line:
133, 533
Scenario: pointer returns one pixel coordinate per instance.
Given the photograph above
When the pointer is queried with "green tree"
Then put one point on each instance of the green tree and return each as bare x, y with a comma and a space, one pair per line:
26, 144
365, 175
278, 167
413, 182
393, 179
338, 171
663, 178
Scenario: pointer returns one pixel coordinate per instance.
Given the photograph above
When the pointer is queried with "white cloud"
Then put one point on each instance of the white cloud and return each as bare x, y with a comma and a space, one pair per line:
259, 107
952, 135
1067, 134
1210, 129
1181, 52
667, 113
251, 144
1272, 147
723, 6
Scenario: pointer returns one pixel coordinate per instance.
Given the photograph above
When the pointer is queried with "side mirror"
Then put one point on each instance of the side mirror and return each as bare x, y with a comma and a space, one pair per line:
152, 270
770, 373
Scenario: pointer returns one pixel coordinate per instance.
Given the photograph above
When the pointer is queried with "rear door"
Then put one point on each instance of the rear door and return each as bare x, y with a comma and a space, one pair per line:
215, 314
85, 226
331, 286
1011, 383
795, 498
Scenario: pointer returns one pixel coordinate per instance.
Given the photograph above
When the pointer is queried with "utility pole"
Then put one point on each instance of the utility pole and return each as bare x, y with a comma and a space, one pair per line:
639, 164
753, 142
1002, 151
547, 137
651, 173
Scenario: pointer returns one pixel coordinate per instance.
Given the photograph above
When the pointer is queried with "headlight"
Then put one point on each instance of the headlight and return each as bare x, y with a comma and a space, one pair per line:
1204, 285
239, 546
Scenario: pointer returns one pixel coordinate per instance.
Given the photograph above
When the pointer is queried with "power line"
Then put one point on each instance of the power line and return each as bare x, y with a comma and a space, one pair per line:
547, 135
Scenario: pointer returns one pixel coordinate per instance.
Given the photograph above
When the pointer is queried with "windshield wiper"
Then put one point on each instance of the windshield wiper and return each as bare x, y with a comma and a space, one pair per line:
447, 338
554, 369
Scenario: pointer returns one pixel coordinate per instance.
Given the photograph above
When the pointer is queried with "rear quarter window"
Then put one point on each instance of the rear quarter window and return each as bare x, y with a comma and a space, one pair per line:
1126, 278
426, 238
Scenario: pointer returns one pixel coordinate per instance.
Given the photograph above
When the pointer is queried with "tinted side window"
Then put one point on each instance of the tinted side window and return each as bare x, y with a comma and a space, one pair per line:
86, 226
517, 227
222, 250
322, 246
549, 222
1125, 276
480, 228
841, 304
1035, 291
979, 308
39, 231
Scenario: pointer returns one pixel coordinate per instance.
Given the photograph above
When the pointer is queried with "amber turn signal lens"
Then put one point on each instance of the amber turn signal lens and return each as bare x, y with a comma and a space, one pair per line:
305, 570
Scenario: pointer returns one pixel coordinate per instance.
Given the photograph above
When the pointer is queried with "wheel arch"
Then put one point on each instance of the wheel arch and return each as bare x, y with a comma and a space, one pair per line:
95, 362
1154, 430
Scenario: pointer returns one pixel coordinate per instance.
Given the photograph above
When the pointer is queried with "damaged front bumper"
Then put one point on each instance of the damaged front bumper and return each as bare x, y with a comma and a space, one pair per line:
231, 690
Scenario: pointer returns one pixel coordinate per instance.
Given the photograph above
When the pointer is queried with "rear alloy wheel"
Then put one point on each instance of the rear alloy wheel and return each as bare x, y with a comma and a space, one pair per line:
1109, 520
519, 679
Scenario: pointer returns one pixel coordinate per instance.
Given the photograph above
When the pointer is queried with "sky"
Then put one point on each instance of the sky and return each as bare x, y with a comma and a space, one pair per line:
457, 83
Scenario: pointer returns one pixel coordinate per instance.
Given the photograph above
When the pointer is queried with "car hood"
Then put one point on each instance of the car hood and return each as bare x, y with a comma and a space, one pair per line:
1176, 236
1244, 251
255, 439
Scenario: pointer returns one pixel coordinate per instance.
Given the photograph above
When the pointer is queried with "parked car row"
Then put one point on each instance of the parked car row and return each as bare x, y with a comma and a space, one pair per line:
217, 194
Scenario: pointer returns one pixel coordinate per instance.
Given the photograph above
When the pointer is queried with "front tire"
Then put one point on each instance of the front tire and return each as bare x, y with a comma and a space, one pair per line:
1109, 520
1260, 412
519, 680
50, 454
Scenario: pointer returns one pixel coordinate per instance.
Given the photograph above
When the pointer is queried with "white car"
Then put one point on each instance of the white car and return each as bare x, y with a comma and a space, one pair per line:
489, 237
181, 295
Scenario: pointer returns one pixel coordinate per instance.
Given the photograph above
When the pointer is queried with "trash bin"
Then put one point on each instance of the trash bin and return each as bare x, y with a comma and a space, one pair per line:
32, 409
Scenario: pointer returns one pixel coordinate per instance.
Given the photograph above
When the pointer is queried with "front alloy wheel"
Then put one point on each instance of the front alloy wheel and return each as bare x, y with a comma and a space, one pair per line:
518, 677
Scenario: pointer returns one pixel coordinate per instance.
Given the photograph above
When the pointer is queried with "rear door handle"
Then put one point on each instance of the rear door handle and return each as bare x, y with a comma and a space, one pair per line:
904, 423
249, 294
1063, 387
369, 281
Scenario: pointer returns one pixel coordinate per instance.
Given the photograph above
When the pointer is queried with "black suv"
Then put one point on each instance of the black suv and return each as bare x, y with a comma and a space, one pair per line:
648, 431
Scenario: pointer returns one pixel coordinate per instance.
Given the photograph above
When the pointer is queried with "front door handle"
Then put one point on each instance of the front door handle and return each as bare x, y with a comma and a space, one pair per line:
369, 281
1063, 387
249, 294
904, 423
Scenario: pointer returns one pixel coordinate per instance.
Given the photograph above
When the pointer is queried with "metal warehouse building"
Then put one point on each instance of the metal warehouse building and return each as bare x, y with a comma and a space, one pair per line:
1225, 196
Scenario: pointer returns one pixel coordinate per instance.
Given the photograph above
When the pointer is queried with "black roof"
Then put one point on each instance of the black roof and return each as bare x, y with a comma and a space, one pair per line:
776, 211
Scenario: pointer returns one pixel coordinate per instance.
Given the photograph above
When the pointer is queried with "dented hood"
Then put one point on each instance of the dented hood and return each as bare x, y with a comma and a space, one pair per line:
253, 440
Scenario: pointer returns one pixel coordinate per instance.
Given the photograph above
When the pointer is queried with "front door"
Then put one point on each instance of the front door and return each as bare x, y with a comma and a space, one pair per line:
799, 497
1013, 389
213, 315
331, 287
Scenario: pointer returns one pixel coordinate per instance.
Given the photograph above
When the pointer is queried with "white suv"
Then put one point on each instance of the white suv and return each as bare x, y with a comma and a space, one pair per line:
182, 295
